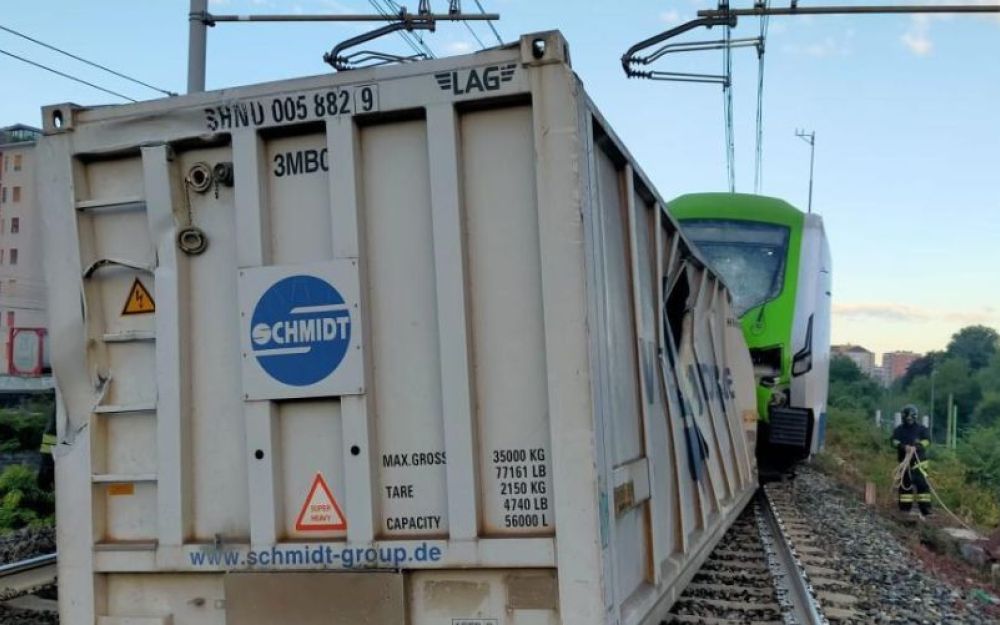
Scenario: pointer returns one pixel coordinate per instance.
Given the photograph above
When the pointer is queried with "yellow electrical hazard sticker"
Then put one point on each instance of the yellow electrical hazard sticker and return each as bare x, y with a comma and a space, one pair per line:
139, 300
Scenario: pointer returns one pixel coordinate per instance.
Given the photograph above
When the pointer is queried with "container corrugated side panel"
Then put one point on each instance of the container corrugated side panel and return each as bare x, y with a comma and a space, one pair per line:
670, 501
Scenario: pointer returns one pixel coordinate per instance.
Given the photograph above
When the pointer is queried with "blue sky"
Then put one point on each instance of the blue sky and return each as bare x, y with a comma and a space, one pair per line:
906, 112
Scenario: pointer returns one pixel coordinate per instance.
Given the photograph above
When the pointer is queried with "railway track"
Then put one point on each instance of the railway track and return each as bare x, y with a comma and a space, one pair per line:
769, 569
20, 580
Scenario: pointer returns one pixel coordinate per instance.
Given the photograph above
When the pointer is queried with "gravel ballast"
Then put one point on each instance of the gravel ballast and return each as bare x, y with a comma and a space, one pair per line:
881, 566
27, 543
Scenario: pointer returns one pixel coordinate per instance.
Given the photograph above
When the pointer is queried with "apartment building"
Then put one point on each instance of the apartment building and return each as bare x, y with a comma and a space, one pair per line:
864, 359
22, 277
896, 363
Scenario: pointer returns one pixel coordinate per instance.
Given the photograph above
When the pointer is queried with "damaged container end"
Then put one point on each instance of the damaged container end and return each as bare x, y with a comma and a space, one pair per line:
414, 344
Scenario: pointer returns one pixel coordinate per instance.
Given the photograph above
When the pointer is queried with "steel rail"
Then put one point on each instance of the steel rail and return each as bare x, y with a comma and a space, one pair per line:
24, 575
793, 580
849, 10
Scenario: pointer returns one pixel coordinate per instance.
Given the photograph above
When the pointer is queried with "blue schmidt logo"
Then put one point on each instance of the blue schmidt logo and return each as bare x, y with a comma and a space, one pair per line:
300, 330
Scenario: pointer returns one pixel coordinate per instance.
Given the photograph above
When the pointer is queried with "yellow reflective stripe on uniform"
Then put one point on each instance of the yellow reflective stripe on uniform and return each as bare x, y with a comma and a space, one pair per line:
925, 442
924, 498
906, 498
923, 466
48, 442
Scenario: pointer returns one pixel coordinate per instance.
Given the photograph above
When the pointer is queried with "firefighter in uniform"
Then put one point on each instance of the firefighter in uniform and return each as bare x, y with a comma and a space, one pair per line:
47, 470
913, 487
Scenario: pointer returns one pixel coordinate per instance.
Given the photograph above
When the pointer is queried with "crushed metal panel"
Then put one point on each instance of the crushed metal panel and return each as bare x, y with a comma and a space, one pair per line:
314, 598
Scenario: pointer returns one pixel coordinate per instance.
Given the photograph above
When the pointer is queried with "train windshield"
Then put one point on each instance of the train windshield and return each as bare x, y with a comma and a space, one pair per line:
749, 255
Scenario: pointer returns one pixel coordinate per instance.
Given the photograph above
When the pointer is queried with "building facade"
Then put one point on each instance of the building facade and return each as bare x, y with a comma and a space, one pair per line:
22, 276
864, 359
881, 375
896, 363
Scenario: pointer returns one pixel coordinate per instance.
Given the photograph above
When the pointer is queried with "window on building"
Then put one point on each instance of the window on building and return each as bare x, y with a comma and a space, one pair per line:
10, 318
15, 195
13, 256
17, 162
3, 194
1, 256
6, 162
15, 225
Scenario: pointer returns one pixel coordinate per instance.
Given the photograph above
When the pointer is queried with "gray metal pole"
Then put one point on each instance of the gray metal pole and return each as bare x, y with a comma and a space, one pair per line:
812, 163
931, 426
197, 45
809, 138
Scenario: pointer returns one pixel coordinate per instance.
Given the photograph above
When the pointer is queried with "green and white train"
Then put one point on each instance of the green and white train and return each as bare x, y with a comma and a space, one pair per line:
775, 259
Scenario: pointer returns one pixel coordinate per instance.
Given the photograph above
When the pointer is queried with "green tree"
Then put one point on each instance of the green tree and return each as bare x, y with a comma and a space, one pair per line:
21, 429
850, 388
22, 503
954, 377
987, 412
920, 367
974, 344
989, 376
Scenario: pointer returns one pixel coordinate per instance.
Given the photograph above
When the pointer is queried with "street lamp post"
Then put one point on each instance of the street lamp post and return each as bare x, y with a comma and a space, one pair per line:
931, 425
810, 138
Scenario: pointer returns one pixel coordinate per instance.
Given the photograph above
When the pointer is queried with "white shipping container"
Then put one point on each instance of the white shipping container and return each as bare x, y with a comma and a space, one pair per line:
415, 344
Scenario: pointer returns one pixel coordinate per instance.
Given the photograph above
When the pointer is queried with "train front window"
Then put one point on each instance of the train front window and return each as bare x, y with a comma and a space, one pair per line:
749, 255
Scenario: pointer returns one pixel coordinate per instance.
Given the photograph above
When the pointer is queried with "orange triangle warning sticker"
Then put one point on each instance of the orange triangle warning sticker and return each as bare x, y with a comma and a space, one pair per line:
139, 300
320, 512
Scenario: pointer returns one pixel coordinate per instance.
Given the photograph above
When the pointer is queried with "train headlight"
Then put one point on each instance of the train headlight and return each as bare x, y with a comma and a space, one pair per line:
779, 397
802, 362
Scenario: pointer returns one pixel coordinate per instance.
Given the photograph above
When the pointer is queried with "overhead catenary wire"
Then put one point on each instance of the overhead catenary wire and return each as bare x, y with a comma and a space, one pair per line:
490, 24
395, 7
83, 60
758, 174
475, 36
403, 34
456, 7
727, 99
68, 76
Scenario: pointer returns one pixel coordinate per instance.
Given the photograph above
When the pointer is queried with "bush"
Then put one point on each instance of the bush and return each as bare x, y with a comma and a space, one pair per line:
865, 449
972, 502
979, 451
853, 436
22, 503
21, 428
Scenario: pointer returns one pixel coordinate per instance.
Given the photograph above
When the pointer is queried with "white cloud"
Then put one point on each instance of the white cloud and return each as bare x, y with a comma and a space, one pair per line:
829, 46
459, 47
888, 311
917, 37
672, 16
